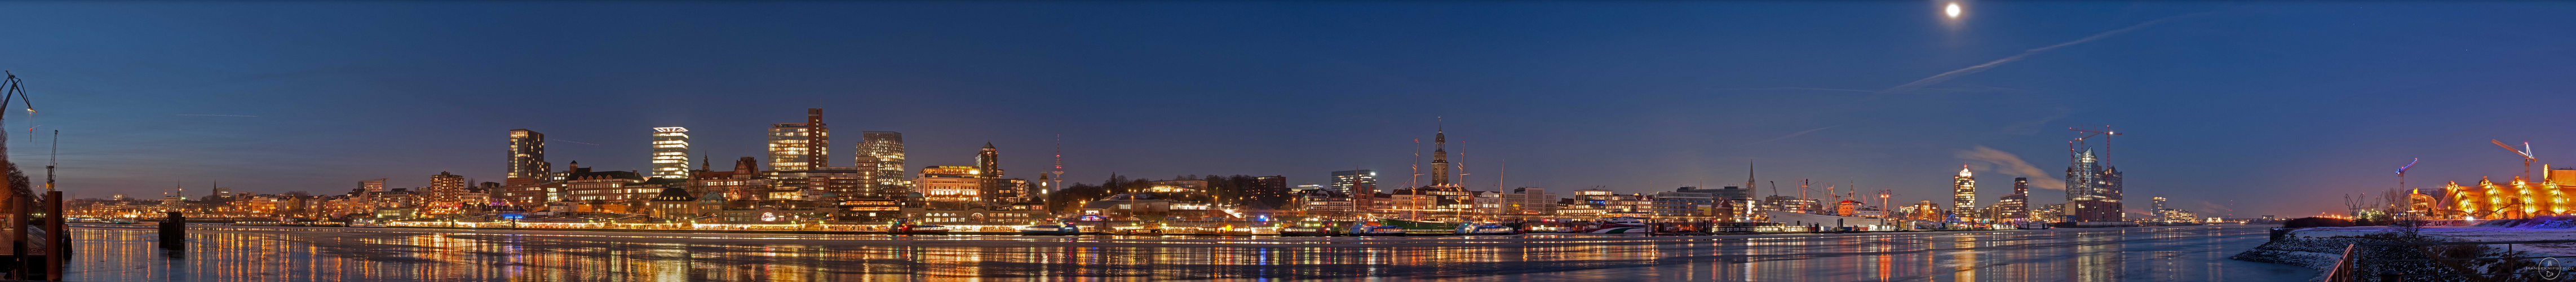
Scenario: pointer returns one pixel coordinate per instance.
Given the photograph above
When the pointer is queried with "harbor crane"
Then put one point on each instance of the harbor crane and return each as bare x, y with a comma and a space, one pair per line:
2526, 156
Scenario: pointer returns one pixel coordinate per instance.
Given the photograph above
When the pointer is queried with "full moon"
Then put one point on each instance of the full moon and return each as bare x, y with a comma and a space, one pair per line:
1953, 10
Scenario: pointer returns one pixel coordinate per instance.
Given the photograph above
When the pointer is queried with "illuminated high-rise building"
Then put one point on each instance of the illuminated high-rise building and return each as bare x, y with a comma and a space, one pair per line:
988, 168
2083, 177
1963, 194
527, 157
801, 146
1355, 182
887, 148
2092, 190
1051, 184
671, 152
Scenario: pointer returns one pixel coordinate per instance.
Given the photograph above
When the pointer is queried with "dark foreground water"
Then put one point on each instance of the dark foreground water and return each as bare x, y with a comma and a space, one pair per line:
223, 253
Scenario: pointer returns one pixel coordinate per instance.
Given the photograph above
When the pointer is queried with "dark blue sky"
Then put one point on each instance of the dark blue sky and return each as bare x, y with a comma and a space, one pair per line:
2233, 108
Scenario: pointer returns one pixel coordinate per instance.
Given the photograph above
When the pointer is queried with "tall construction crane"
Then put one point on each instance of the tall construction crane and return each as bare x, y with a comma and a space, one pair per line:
2106, 134
2526, 156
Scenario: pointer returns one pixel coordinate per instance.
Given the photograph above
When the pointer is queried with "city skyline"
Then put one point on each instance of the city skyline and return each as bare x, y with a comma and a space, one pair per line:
2225, 100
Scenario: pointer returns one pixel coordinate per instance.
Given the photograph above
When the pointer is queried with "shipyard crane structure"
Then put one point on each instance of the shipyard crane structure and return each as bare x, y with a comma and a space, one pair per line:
11, 89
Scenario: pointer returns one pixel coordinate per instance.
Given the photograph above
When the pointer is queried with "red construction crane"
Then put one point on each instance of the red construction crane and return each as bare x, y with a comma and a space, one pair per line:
2106, 139
2526, 156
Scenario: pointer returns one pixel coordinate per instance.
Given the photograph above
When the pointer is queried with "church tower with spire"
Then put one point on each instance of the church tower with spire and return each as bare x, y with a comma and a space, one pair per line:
1440, 158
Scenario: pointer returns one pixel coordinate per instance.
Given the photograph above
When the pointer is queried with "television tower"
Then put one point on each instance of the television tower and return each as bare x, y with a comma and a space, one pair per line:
1059, 163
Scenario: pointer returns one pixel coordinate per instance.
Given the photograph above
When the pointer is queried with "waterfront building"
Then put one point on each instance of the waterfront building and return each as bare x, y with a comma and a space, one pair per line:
1182, 185
1355, 182
884, 149
954, 185
1007, 192
2088, 181
528, 164
801, 146
1265, 188
2015, 207
2094, 211
2156, 209
2177, 216
742, 183
671, 152
988, 173
1963, 194
531, 195
1309, 186
446, 193
1610, 202
976, 216
1325, 202
1684, 206
1436, 202
1529, 203
2050, 213
840, 181
1925, 211
856, 210
673, 203
605, 187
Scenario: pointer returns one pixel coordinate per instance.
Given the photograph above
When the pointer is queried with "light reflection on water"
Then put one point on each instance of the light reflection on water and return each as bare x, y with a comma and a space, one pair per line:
224, 253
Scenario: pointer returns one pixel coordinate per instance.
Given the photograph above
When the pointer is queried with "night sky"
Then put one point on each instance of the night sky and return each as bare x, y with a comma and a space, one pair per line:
2231, 109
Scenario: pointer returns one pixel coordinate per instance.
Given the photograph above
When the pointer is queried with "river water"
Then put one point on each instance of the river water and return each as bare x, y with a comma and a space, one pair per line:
229, 253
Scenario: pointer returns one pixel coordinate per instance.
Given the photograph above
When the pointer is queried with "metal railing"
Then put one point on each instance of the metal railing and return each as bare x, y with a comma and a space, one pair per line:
2345, 266
2342, 270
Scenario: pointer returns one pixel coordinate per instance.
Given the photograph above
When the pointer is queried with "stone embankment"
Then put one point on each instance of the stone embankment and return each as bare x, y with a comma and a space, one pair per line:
2320, 248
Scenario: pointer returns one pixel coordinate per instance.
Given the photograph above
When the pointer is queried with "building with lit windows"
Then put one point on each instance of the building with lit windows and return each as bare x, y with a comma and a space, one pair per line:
527, 158
1963, 194
2015, 207
954, 185
671, 152
1528, 202
800, 146
1355, 182
840, 181
1684, 205
447, 194
988, 169
886, 148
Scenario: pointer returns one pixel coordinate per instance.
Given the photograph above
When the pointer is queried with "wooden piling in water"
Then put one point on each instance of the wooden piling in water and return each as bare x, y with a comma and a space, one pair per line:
18, 235
174, 231
58, 248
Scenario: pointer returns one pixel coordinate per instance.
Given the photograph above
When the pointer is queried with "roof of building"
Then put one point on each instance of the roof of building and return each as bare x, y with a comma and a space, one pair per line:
673, 194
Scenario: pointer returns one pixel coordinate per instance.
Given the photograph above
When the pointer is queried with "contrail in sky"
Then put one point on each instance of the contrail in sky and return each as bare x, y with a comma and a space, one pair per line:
1792, 135
1928, 81
220, 115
